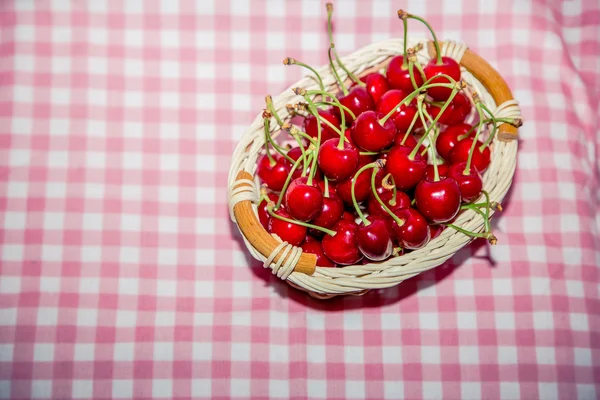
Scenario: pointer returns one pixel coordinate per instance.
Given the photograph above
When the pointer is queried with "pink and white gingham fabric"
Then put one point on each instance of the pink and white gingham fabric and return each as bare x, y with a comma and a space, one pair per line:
121, 275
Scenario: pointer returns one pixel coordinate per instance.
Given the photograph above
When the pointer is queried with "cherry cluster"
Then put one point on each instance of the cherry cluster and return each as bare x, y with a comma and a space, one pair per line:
381, 167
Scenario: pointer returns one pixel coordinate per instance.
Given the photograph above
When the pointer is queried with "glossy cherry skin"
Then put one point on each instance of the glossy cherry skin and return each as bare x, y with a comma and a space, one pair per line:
404, 114
288, 232
460, 152
375, 240
448, 67
337, 164
303, 201
263, 215
348, 216
455, 113
406, 172
448, 138
358, 100
414, 233
470, 185
331, 211
374, 208
295, 154
377, 85
273, 176
436, 230
439, 201
368, 133
399, 78
311, 126
342, 247
442, 171
313, 246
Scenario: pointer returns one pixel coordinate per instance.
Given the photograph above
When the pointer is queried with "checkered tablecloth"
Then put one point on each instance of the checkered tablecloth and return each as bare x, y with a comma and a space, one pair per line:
122, 276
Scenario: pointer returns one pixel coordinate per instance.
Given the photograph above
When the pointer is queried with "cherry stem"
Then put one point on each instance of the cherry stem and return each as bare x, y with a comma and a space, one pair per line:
329, 7
313, 110
436, 174
271, 108
293, 61
332, 104
405, 27
267, 141
486, 121
413, 153
367, 153
421, 71
335, 73
435, 41
467, 170
343, 122
296, 222
337, 104
307, 162
381, 202
326, 194
393, 185
426, 85
412, 124
411, 68
494, 129
354, 202
288, 180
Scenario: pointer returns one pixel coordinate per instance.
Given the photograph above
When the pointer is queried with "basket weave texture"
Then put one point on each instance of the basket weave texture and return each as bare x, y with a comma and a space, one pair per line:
357, 279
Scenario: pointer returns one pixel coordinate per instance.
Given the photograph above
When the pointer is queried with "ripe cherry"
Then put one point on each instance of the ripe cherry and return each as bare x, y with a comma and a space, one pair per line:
442, 171
448, 67
375, 239
460, 152
448, 138
331, 211
377, 85
362, 188
295, 154
311, 126
404, 114
337, 164
414, 231
294, 234
406, 172
410, 142
369, 134
358, 100
374, 207
470, 184
263, 215
436, 230
348, 216
455, 113
273, 175
439, 201
313, 246
342, 247
399, 77
303, 201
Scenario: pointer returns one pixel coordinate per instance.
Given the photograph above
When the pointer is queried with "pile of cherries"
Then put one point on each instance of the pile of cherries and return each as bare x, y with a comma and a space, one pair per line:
382, 167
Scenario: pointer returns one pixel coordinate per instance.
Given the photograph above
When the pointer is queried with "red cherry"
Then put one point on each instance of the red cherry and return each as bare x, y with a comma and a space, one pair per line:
273, 176
311, 127
313, 246
349, 217
288, 232
362, 188
331, 211
460, 152
439, 201
342, 247
263, 215
448, 67
303, 201
358, 100
442, 171
410, 142
368, 133
455, 113
374, 208
406, 172
375, 240
377, 85
399, 78
436, 230
414, 233
470, 185
404, 113
448, 138
295, 154
337, 164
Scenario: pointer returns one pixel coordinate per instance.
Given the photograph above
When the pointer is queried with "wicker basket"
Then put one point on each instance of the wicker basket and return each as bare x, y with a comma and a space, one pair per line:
297, 268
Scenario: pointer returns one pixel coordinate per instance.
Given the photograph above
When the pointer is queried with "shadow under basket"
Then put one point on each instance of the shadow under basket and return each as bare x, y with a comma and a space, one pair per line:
299, 269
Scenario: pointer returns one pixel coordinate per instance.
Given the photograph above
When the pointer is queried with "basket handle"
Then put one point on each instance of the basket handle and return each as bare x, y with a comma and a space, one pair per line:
492, 80
259, 237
